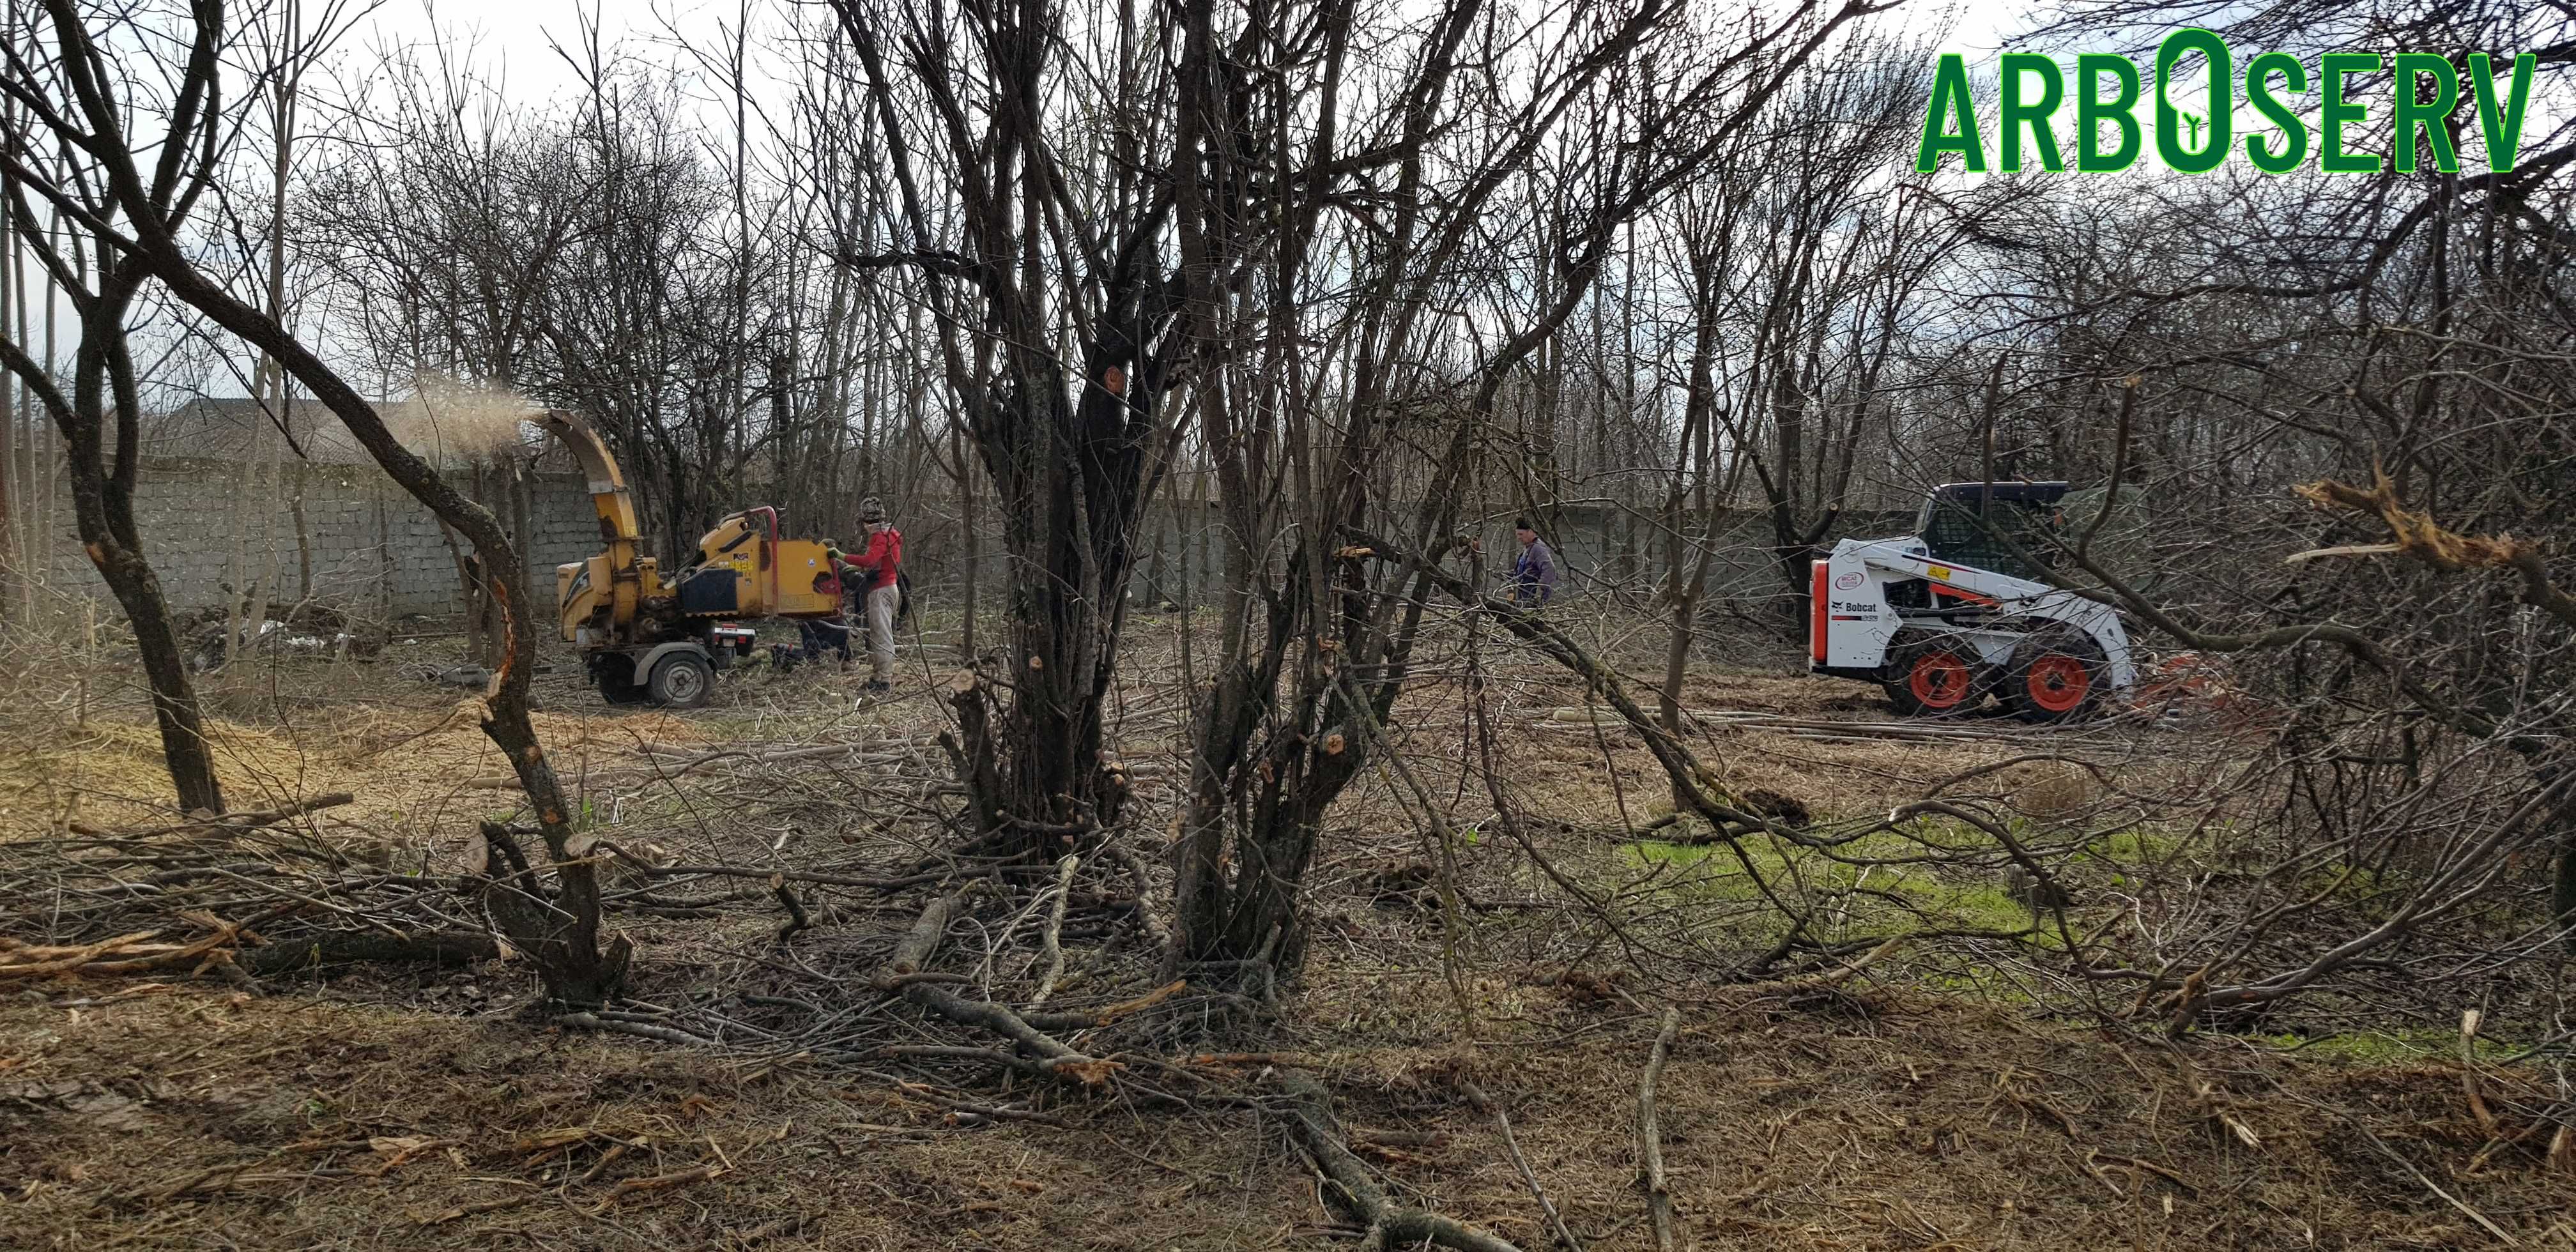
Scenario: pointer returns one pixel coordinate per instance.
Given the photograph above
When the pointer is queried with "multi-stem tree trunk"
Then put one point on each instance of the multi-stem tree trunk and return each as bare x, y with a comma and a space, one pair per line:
136, 234
971, 534
1687, 564
1072, 437
16, 551
1072, 477
1269, 763
104, 398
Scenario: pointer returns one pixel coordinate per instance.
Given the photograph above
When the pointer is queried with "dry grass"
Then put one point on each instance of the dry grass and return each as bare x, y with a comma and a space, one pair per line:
407, 747
363, 1108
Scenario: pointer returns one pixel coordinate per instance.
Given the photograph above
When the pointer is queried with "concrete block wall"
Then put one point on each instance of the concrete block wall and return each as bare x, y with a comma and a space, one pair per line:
374, 548
1601, 548
1610, 548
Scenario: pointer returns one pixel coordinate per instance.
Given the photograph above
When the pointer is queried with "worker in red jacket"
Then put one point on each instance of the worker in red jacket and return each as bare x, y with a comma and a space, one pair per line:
879, 569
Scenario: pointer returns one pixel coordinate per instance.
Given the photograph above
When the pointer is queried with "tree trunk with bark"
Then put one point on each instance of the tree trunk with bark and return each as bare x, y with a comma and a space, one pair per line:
1062, 400
102, 486
560, 934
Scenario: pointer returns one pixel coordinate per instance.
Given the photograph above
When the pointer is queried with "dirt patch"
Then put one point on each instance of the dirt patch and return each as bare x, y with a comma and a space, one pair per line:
291, 1124
1887, 1122
389, 1107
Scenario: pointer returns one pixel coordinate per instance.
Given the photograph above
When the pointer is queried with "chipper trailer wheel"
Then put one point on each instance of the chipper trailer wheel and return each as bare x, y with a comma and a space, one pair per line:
681, 680
2055, 676
1933, 677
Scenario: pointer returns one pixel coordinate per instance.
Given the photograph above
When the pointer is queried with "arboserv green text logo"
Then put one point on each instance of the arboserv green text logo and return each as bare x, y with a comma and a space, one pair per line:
2032, 88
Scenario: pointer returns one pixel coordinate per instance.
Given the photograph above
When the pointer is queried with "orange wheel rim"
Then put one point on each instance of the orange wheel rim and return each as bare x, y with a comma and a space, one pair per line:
2058, 682
1939, 680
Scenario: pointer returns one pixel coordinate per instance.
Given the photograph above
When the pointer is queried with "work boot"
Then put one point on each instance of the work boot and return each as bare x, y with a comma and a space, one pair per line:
875, 686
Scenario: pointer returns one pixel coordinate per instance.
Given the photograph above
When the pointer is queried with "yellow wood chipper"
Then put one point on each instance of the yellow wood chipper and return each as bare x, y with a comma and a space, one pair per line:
644, 637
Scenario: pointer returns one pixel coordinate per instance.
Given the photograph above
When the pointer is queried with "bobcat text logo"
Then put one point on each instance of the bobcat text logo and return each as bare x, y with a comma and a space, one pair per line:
2032, 87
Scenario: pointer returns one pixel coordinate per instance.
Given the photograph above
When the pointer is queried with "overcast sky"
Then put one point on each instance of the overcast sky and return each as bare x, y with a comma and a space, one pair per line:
512, 37
513, 43
514, 40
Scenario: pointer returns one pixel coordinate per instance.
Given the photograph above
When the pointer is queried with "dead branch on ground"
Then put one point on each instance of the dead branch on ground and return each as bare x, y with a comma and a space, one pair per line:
1390, 1225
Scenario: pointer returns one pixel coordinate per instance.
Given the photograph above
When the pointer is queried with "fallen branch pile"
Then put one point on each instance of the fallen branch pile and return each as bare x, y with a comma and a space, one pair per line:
241, 896
667, 763
1052, 976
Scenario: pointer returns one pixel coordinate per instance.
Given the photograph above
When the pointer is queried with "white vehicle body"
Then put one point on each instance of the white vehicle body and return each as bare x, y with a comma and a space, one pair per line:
1855, 619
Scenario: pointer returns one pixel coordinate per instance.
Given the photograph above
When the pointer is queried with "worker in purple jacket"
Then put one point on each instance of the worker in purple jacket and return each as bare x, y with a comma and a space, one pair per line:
1534, 575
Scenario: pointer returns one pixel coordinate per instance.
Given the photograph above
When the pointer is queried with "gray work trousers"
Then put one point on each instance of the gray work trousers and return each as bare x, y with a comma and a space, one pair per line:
881, 605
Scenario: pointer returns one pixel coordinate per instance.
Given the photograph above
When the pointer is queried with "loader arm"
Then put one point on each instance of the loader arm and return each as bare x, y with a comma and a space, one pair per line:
1960, 580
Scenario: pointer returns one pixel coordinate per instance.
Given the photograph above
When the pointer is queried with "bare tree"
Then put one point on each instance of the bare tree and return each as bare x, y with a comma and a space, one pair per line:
53, 170
85, 101
1834, 258
1375, 443
246, 604
1035, 236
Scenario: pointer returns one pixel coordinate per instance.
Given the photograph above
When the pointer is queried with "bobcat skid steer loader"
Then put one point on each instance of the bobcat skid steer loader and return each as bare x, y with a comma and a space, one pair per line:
1950, 614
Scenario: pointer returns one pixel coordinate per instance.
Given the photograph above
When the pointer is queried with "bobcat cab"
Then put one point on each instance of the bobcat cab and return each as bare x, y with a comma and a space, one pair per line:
1951, 613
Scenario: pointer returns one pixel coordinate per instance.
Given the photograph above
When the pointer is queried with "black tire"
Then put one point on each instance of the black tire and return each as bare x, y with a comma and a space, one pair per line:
614, 675
1933, 676
682, 680
2055, 676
